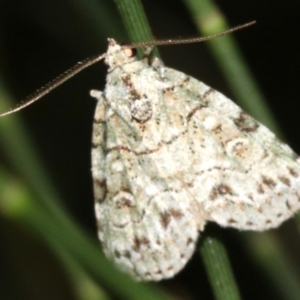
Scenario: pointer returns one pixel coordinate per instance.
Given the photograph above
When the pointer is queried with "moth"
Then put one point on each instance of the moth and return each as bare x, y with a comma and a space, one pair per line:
170, 154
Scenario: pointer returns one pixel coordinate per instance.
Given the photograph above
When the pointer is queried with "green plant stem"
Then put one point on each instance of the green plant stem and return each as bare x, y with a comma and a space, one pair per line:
135, 21
218, 269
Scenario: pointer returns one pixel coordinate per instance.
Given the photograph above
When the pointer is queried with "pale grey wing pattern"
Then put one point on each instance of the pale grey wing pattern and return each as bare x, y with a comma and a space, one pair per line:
146, 228
173, 154
244, 177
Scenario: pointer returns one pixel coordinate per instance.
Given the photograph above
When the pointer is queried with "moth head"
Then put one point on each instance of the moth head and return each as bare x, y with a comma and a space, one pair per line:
118, 55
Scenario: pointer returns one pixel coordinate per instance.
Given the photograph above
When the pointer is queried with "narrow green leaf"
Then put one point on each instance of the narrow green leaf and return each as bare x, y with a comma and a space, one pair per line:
218, 269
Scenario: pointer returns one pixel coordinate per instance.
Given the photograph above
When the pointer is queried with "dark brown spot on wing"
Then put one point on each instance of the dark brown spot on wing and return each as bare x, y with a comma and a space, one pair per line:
127, 254
285, 180
245, 123
293, 172
260, 189
124, 202
99, 121
177, 214
220, 190
288, 205
217, 130
232, 221
139, 242
165, 219
224, 189
268, 182
100, 183
103, 188
213, 194
189, 241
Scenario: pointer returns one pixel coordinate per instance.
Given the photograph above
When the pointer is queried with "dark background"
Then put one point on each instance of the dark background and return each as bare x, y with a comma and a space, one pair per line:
41, 39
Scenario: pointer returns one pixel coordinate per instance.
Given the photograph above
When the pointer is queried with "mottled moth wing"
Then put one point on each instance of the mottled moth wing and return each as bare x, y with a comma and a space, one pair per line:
243, 176
147, 224
169, 154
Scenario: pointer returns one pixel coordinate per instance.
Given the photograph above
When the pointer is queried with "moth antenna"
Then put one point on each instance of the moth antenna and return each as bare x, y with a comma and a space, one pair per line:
35, 96
92, 60
189, 40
